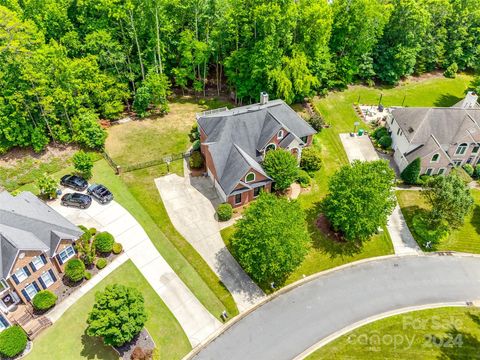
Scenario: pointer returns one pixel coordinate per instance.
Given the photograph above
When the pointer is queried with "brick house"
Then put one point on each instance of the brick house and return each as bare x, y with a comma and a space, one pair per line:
234, 143
442, 138
35, 242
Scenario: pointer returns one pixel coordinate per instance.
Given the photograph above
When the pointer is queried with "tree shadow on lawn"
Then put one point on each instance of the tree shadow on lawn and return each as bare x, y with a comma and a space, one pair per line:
446, 100
475, 220
456, 345
326, 240
94, 348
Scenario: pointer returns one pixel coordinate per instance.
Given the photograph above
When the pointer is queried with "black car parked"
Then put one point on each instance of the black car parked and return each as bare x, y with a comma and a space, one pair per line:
81, 201
100, 192
75, 182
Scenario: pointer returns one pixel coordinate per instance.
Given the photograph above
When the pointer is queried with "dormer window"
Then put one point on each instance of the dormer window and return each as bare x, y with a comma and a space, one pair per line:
270, 147
461, 149
250, 177
435, 158
280, 135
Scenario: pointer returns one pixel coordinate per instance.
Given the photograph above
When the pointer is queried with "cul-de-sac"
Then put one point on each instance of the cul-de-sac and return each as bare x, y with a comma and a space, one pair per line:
239, 180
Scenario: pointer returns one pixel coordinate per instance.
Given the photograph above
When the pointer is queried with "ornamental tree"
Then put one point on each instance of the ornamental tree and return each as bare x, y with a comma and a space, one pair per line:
282, 167
47, 186
271, 239
83, 163
360, 199
450, 201
411, 173
118, 315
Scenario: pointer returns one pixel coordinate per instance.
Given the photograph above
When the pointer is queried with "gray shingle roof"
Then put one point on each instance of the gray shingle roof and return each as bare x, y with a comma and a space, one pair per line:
26, 223
235, 137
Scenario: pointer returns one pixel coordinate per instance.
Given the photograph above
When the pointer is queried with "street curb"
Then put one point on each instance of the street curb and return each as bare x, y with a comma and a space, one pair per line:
372, 319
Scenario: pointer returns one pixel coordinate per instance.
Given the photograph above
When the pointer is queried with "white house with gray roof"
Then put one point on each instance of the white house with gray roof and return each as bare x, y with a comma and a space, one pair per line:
35, 242
234, 143
441, 137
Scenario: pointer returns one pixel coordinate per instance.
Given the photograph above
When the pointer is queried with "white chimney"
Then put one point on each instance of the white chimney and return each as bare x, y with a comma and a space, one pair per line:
263, 98
470, 100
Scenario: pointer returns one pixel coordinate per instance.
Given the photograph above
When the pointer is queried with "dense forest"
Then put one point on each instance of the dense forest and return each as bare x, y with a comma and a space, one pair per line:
65, 64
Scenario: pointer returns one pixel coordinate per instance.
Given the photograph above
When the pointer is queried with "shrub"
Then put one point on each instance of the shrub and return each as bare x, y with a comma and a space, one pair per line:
224, 212
196, 160
468, 169
282, 167
87, 131
196, 145
316, 122
451, 71
140, 354
83, 163
424, 179
13, 341
311, 159
92, 231
385, 141
379, 133
477, 171
303, 178
88, 275
194, 133
425, 234
75, 270
101, 263
104, 242
47, 186
44, 300
117, 330
117, 248
411, 173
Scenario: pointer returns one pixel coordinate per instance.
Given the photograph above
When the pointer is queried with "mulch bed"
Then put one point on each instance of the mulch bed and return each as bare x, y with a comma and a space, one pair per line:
143, 341
324, 226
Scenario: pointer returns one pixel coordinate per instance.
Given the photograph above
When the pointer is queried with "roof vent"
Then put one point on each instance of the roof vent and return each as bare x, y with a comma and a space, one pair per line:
21, 256
410, 130
263, 98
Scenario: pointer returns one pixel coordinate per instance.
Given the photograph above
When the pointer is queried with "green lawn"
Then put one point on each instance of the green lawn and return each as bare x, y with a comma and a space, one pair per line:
465, 239
66, 339
444, 333
137, 192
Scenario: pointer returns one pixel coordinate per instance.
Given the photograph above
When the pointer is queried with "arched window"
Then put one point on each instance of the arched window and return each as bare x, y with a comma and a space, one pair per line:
461, 149
250, 177
270, 147
280, 135
435, 158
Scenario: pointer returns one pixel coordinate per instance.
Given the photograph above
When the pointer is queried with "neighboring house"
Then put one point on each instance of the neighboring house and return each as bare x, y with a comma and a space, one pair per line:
35, 242
234, 143
441, 137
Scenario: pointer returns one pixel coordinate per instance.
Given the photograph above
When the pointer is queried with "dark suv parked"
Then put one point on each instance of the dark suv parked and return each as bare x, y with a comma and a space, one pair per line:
81, 201
75, 182
100, 192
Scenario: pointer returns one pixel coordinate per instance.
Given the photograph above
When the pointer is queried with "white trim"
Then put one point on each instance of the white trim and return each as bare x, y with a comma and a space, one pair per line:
36, 258
50, 279
435, 161
274, 146
431, 171
463, 146
34, 288
65, 251
250, 173
443, 173
280, 134
22, 270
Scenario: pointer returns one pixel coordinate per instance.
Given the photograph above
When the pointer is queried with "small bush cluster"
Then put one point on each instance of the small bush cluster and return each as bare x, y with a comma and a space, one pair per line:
196, 145
101, 263
476, 173
303, 178
451, 71
44, 300
469, 169
196, 160
382, 137
311, 160
316, 122
224, 212
83, 163
411, 173
75, 270
88, 275
427, 235
117, 248
104, 242
194, 133
13, 341
47, 186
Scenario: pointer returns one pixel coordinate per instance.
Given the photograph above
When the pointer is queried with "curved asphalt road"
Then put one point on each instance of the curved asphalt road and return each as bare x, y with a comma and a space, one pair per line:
296, 320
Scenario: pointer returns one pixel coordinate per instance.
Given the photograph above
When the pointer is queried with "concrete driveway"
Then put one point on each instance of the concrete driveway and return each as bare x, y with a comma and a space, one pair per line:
294, 321
191, 203
361, 148
195, 320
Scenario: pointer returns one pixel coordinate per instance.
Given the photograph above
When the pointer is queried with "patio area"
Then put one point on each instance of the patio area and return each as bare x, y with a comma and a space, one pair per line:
32, 323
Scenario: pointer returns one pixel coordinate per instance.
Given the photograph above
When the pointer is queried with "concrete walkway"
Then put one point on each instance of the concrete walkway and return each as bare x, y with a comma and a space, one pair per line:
195, 320
191, 204
361, 148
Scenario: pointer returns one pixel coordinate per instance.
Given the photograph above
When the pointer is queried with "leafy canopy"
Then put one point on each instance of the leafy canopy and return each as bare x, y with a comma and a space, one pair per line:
282, 167
360, 199
271, 239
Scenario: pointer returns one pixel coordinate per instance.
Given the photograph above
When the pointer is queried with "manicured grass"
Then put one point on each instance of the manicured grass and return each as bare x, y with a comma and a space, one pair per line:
66, 339
137, 192
153, 138
465, 239
444, 333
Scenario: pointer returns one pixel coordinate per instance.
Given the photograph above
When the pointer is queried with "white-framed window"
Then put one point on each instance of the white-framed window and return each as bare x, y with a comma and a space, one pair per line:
21, 274
457, 162
250, 177
441, 171
475, 149
257, 191
38, 262
66, 254
429, 171
31, 290
280, 134
435, 158
238, 198
3, 323
271, 146
47, 279
461, 149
